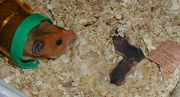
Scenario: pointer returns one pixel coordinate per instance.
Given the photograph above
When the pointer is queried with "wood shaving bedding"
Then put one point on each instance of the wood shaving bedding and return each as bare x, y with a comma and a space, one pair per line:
84, 70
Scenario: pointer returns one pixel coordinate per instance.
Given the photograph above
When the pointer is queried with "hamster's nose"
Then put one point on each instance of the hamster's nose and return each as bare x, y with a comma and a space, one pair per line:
70, 36
74, 37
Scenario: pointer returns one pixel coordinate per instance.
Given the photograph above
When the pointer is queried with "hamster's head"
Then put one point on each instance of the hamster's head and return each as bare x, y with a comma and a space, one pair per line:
48, 41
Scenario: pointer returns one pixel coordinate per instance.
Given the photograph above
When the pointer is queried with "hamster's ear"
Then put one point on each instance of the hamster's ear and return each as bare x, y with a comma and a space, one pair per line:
44, 24
37, 47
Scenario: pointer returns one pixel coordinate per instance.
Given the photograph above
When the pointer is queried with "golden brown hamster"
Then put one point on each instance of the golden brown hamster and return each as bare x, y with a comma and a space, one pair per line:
48, 41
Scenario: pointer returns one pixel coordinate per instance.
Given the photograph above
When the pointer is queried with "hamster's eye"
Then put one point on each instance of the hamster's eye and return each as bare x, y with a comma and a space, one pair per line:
59, 42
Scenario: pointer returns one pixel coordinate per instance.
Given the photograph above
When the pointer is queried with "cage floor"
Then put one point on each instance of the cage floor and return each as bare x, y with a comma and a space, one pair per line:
84, 70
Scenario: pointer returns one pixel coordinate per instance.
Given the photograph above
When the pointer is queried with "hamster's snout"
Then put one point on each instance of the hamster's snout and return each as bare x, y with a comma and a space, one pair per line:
74, 37
69, 37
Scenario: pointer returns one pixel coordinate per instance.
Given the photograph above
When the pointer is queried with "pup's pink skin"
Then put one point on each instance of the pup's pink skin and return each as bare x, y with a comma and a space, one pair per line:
48, 41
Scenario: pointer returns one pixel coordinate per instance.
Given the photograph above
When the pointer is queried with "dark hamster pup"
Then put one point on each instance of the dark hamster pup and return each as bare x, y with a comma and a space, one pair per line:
131, 56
